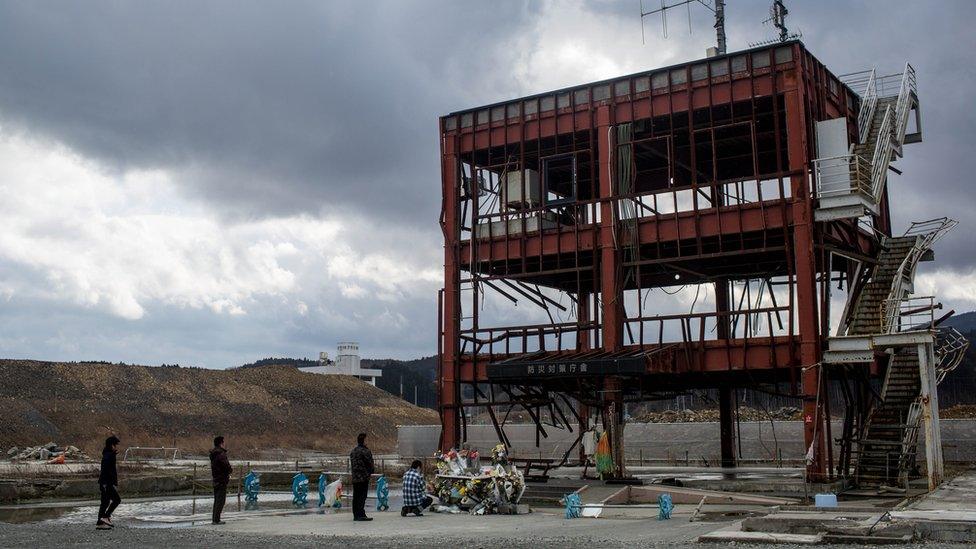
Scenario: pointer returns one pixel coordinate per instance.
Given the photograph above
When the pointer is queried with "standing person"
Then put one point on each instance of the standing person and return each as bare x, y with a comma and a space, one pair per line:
415, 498
361, 466
220, 469
108, 481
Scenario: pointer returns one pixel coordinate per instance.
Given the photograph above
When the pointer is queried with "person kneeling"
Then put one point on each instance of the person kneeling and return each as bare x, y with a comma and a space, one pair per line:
415, 498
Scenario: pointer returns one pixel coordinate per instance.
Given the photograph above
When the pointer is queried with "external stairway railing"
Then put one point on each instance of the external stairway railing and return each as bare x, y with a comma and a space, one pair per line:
902, 87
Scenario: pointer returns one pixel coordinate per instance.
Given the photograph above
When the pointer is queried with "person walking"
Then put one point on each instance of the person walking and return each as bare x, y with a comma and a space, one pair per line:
415, 498
220, 469
361, 467
108, 482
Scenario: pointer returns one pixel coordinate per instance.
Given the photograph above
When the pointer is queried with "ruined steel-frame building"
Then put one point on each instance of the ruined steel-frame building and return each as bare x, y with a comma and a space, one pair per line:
759, 176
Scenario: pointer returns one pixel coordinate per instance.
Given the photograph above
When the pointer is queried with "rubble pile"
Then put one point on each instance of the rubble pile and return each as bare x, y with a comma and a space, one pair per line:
786, 413
959, 411
462, 484
47, 452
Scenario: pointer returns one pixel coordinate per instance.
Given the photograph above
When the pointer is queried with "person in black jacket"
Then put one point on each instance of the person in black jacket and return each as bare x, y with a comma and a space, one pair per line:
108, 481
361, 467
220, 469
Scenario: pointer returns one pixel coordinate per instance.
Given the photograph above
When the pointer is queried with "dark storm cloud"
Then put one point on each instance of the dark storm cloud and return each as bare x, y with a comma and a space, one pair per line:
267, 108
262, 107
937, 38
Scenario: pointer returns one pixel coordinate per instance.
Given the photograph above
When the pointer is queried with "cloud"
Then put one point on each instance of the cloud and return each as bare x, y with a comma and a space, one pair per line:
957, 289
212, 182
96, 240
125, 243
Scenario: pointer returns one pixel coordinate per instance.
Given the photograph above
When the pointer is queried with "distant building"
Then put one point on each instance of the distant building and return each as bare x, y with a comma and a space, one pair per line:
347, 363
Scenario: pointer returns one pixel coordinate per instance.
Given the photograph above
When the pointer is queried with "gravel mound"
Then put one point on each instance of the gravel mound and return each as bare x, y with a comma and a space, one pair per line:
255, 408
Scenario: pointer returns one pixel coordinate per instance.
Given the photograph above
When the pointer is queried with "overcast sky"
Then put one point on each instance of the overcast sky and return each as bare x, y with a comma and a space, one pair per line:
210, 183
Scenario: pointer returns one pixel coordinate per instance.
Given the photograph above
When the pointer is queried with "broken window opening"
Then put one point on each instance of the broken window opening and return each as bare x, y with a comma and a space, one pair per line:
559, 179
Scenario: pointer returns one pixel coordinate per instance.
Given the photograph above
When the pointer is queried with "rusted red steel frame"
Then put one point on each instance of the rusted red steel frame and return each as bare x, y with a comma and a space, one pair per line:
690, 224
717, 357
796, 82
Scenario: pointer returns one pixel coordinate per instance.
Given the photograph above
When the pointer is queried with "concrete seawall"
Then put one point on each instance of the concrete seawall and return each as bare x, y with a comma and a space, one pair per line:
675, 441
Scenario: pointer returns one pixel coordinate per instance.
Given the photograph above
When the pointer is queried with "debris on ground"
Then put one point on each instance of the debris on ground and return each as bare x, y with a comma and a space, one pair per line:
786, 413
50, 452
462, 484
959, 411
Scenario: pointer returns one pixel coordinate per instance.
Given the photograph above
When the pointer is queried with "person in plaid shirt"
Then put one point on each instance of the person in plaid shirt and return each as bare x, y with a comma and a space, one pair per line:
415, 498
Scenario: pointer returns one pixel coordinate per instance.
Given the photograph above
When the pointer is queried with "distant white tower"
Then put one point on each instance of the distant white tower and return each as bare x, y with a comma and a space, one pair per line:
347, 363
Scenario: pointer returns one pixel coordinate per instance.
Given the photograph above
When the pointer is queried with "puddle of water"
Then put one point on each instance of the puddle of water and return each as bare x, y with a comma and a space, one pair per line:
86, 512
27, 515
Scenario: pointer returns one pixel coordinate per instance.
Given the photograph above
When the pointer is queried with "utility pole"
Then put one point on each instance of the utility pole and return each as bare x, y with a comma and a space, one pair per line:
720, 26
718, 9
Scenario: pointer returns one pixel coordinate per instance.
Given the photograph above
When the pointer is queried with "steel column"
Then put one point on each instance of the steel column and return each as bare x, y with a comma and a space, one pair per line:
448, 382
726, 409
611, 295
805, 269
930, 414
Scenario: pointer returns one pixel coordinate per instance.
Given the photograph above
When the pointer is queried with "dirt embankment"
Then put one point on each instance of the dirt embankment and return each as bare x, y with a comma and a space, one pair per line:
257, 409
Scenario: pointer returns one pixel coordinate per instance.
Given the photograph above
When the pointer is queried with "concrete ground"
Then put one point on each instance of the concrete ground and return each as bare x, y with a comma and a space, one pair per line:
540, 527
958, 494
275, 525
388, 530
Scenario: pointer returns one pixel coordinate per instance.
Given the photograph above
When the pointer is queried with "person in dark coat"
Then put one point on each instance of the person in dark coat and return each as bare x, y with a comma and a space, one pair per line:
361, 467
220, 469
108, 482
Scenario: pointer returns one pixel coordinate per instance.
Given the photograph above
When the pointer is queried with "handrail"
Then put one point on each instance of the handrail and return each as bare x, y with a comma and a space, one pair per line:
932, 230
908, 314
841, 175
950, 348
882, 155
903, 106
926, 234
868, 102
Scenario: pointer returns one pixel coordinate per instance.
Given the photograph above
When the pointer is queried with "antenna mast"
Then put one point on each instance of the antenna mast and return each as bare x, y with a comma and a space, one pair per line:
718, 9
777, 15
720, 25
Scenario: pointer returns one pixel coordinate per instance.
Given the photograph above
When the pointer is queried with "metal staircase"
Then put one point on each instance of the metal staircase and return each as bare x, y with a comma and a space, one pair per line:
867, 318
851, 185
885, 317
886, 449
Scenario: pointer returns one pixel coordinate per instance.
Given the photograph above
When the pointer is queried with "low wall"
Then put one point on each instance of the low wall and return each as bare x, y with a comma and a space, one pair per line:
761, 440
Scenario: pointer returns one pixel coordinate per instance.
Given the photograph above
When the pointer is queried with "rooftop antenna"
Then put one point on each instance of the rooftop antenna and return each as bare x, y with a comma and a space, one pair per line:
777, 16
716, 6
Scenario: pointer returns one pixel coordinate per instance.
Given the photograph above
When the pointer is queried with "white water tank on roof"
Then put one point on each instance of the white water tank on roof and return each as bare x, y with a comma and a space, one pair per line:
519, 194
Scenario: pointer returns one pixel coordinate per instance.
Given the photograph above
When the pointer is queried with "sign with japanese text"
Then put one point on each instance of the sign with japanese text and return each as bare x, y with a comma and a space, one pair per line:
566, 368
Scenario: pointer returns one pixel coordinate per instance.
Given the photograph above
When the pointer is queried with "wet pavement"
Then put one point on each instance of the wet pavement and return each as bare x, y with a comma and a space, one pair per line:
168, 511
